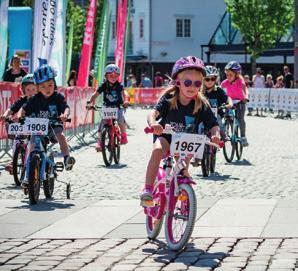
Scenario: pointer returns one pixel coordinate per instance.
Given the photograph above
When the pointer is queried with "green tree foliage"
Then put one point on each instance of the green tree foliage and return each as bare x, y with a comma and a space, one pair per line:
261, 22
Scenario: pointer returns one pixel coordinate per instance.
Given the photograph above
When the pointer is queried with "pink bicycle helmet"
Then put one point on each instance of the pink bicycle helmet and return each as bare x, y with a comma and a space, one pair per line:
188, 62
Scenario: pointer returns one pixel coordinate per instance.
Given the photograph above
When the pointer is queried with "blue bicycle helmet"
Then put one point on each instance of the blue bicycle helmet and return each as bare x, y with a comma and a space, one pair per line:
211, 71
28, 79
233, 66
43, 74
111, 68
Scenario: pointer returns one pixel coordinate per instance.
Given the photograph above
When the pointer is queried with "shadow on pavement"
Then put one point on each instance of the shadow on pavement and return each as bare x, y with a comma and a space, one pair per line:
243, 162
43, 205
218, 178
114, 166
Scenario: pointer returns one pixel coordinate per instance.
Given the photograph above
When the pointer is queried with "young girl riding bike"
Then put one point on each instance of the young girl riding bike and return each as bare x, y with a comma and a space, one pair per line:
216, 95
181, 106
113, 96
237, 90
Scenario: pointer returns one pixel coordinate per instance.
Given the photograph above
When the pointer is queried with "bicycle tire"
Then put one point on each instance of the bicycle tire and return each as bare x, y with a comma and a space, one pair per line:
239, 147
213, 152
107, 152
49, 182
206, 162
153, 226
34, 179
116, 153
189, 207
229, 154
18, 170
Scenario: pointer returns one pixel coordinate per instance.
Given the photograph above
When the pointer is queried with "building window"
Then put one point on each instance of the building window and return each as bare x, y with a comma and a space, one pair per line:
141, 28
113, 30
183, 28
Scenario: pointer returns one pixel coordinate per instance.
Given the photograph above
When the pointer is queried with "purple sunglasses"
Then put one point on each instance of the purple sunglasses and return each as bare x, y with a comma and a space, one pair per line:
187, 83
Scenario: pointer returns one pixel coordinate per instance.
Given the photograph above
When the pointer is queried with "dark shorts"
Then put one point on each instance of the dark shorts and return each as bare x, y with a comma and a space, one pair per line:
166, 137
53, 130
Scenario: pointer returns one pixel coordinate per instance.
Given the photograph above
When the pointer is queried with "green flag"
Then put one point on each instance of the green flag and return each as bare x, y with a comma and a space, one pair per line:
69, 49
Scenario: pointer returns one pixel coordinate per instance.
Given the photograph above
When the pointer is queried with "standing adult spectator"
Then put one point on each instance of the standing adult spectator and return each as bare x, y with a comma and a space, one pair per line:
280, 84
158, 80
289, 83
15, 73
145, 81
72, 80
258, 81
131, 81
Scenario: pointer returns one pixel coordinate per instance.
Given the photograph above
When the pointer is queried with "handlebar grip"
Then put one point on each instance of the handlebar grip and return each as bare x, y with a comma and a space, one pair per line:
221, 144
148, 130
68, 120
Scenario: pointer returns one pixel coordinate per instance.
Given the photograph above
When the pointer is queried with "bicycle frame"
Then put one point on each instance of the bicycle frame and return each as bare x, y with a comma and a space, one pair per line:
168, 183
232, 114
111, 123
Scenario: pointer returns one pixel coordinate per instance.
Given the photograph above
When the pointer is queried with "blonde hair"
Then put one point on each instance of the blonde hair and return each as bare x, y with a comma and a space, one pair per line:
200, 100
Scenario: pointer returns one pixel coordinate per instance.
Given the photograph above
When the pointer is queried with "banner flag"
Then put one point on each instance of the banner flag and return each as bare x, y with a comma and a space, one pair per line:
45, 16
69, 49
3, 34
87, 46
57, 60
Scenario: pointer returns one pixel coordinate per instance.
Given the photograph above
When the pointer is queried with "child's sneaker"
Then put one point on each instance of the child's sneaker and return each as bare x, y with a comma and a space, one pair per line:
244, 142
123, 139
69, 161
146, 197
98, 146
24, 184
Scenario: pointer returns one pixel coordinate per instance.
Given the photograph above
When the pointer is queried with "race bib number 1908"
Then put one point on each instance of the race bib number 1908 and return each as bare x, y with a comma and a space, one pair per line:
36, 126
188, 144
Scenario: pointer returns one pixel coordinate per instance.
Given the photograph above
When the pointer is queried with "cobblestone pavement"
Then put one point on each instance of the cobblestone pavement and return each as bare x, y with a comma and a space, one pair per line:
202, 254
268, 169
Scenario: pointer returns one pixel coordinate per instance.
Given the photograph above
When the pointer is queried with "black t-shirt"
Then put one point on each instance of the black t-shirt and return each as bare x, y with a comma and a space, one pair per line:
39, 106
9, 77
112, 94
288, 78
18, 104
217, 98
183, 118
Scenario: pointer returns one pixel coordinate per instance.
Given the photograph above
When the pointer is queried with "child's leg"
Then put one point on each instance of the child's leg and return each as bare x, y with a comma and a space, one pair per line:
63, 144
240, 116
122, 126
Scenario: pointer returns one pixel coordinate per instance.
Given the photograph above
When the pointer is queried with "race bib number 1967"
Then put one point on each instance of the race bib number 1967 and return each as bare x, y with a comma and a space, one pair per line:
109, 113
188, 144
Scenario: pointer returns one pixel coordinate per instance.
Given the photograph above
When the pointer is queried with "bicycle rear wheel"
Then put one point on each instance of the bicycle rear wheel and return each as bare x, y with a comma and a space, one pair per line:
229, 148
18, 165
49, 182
238, 143
107, 149
181, 217
153, 224
213, 152
116, 149
34, 179
206, 161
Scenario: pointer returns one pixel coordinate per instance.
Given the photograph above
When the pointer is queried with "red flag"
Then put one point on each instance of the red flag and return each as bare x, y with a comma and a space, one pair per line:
87, 46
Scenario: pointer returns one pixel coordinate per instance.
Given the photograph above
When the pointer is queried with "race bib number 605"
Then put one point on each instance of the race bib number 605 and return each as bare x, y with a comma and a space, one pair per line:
188, 144
109, 113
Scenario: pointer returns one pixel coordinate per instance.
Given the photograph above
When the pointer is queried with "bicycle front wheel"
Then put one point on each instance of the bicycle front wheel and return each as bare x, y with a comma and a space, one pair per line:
213, 152
107, 148
239, 147
181, 217
18, 165
206, 161
116, 149
34, 179
49, 182
229, 147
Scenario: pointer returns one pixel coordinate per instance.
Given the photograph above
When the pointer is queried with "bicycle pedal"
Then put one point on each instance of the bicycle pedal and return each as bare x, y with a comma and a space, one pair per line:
59, 166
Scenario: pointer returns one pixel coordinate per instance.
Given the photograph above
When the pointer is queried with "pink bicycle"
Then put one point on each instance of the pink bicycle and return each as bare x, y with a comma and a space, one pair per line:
173, 194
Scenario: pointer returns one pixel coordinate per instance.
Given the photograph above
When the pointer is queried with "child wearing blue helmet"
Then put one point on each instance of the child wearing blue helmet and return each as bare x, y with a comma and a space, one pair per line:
49, 103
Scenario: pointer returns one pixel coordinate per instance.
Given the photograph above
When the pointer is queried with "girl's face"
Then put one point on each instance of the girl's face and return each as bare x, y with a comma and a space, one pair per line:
189, 83
112, 77
47, 88
210, 82
231, 76
16, 63
30, 90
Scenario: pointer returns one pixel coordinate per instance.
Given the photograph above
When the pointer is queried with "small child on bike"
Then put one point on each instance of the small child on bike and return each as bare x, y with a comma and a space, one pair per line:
48, 103
181, 106
28, 90
113, 96
237, 90
216, 96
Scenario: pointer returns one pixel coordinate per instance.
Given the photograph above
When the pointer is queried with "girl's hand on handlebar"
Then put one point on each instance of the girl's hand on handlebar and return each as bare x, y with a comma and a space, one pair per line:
64, 117
216, 140
157, 128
